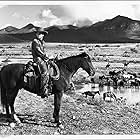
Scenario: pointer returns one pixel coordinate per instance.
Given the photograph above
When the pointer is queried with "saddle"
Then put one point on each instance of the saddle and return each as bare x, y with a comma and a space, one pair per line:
32, 76
32, 67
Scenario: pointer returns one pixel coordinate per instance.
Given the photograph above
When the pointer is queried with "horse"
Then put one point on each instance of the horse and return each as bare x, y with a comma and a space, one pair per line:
110, 95
91, 93
12, 79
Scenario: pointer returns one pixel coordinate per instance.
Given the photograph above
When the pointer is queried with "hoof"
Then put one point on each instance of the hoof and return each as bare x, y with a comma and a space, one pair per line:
53, 120
60, 126
12, 125
20, 124
17, 120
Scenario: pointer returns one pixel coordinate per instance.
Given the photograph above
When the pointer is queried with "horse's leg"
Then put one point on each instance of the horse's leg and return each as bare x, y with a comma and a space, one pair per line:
11, 103
13, 114
5, 93
11, 95
5, 103
7, 111
57, 103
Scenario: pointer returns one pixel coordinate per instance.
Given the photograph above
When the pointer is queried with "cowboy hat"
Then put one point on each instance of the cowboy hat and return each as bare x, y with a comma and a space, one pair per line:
41, 31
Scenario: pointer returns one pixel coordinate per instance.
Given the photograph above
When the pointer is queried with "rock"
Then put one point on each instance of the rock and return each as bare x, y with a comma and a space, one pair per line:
56, 133
39, 122
73, 117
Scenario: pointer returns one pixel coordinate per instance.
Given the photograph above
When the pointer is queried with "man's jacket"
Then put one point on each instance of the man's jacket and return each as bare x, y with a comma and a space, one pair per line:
38, 50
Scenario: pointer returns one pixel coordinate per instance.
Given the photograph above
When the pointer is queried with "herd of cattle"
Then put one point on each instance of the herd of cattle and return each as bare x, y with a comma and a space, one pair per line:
120, 78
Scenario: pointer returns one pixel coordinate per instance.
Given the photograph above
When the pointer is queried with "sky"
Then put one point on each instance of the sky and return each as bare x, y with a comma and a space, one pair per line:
80, 13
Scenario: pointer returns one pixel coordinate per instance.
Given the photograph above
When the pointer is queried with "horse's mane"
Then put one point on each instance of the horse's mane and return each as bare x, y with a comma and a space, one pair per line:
83, 54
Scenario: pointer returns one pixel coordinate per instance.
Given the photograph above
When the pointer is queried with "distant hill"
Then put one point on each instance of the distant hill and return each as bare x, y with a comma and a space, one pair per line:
8, 30
115, 30
12, 30
27, 29
5, 38
111, 30
61, 27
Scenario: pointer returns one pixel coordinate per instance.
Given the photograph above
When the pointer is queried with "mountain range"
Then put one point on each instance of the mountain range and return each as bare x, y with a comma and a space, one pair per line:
119, 29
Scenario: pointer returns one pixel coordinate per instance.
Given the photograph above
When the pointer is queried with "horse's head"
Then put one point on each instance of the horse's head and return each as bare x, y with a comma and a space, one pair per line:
86, 64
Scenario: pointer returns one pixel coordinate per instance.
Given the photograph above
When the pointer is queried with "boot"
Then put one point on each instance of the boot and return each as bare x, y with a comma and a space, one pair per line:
44, 90
50, 86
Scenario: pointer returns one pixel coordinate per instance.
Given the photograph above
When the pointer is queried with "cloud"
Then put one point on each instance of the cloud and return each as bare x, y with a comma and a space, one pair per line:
83, 15
39, 23
59, 11
46, 23
136, 9
47, 18
82, 22
17, 15
100, 11
47, 14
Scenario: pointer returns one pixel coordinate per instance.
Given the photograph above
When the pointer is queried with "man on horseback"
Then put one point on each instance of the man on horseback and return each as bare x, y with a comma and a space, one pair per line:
40, 58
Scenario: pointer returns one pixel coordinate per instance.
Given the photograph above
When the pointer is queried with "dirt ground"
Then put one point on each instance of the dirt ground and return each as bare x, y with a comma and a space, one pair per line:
79, 115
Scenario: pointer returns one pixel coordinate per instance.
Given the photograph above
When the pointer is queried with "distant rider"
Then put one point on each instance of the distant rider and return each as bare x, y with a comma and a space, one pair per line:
40, 57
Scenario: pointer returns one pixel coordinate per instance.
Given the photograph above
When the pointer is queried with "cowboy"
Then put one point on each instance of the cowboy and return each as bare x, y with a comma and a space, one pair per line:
40, 58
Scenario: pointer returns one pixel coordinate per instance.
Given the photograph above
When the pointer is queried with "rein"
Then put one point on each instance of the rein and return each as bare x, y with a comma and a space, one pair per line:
67, 67
56, 77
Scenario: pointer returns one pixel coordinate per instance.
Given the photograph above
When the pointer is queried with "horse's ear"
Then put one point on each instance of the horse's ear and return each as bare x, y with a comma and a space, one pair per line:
85, 55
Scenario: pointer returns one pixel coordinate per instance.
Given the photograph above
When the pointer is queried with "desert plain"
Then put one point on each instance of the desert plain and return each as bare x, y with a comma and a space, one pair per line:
79, 115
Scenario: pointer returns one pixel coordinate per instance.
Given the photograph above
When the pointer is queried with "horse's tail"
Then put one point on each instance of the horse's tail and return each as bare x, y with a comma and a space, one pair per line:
2, 96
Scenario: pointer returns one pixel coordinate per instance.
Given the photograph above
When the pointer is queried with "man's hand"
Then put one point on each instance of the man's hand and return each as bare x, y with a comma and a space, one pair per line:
46, 57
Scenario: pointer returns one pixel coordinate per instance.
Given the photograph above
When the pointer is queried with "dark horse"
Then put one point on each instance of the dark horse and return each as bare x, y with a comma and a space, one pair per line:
12, 79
